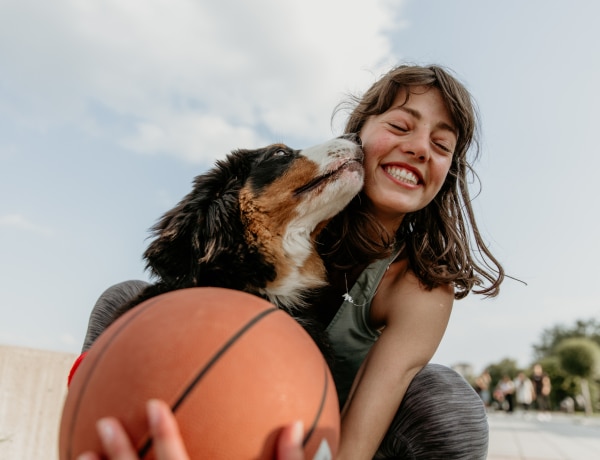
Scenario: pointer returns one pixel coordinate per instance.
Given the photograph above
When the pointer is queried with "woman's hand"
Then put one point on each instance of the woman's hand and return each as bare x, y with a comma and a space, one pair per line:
167, 441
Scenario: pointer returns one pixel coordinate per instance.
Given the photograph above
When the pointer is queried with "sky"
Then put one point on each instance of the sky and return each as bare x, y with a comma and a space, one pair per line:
108, 109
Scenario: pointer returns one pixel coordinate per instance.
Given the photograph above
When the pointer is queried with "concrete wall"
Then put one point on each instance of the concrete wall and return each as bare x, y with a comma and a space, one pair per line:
33, 386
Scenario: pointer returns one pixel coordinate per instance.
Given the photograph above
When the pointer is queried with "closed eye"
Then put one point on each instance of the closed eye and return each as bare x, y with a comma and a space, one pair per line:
444, 147
399, 128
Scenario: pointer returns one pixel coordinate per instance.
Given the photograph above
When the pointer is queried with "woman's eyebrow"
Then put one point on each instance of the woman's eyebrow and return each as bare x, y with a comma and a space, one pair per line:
416, 114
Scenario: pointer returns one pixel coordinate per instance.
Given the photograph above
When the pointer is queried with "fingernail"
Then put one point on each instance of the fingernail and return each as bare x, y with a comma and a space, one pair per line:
153, 411
298, 433
86, 456
105, 430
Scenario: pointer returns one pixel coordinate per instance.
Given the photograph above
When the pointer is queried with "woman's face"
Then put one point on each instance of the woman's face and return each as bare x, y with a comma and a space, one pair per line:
408, 152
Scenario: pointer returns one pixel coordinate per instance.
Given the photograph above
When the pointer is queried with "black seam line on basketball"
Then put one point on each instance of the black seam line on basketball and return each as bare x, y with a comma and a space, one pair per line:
148, 443
136, 312
319, 412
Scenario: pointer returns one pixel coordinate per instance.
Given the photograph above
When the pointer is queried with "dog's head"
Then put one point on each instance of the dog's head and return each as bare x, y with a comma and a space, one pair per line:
251, 220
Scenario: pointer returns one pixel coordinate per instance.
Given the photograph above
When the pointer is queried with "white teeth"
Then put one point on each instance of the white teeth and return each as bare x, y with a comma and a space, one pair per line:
402, 175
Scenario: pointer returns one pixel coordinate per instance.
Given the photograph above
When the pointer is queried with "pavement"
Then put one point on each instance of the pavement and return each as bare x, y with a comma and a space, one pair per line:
33, 388
525, 436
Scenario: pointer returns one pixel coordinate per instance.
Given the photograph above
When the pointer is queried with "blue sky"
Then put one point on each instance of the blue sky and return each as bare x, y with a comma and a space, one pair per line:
108, 109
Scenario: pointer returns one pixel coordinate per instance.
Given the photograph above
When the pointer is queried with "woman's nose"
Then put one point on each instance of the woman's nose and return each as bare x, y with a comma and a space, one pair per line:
417, 145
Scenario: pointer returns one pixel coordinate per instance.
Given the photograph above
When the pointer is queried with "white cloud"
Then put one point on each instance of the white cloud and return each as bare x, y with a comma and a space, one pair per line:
19, 222
68, 339
191, 135
193, 77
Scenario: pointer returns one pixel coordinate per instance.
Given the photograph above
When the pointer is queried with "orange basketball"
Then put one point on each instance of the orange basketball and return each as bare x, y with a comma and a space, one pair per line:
234, 369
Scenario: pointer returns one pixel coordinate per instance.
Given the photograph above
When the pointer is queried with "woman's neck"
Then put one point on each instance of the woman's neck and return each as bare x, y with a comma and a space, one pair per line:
391, 223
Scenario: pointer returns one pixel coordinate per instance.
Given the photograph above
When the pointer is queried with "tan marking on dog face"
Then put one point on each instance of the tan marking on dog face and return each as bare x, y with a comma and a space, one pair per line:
266, 216
275, 205
279, 198
282, 219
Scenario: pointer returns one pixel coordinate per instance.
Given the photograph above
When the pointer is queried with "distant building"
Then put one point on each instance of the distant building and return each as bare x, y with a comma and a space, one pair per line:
464, 369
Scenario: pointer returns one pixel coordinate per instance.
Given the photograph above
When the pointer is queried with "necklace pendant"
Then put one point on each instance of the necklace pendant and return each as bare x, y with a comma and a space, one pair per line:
348, 298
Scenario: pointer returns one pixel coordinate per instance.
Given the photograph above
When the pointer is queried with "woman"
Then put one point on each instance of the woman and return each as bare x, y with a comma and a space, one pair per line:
403, 246
398, 256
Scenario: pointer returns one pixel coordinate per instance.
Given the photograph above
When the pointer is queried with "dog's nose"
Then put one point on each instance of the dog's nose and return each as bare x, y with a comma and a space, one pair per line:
352, 137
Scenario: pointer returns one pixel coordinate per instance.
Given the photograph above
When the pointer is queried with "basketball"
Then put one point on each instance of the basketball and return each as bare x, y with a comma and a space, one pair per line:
234, 369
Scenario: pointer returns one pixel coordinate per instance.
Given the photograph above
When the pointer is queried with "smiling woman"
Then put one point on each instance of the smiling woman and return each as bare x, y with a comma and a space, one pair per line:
402, 248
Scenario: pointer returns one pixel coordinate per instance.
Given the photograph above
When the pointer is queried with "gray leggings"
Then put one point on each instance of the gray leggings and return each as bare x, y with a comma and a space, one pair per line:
441, 417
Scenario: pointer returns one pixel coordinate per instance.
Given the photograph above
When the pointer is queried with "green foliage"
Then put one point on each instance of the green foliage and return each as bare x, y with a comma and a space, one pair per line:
579, 357
569, 354
552, 337
562, 383
563, 360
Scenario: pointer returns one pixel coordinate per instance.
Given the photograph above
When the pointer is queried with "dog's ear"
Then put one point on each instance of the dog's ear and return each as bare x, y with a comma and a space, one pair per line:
204, 227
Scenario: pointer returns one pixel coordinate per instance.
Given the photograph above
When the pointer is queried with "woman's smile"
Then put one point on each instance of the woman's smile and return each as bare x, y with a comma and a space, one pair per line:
402, 174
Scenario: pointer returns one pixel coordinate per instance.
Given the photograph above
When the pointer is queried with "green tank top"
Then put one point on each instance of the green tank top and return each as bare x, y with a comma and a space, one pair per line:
349, 332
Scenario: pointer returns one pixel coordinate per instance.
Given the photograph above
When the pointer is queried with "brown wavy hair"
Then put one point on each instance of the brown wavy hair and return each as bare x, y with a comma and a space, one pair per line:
442, 241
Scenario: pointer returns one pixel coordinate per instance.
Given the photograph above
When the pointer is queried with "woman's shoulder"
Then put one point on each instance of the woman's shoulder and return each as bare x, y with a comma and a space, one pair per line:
401, 288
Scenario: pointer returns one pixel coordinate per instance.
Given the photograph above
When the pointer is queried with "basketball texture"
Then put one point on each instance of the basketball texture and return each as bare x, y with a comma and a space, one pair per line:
233, 368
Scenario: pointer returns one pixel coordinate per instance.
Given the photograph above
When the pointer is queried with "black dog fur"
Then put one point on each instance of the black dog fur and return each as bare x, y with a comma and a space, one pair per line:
241, 227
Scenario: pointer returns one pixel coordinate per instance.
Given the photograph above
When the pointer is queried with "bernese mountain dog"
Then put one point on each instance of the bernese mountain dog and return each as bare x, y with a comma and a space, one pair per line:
250, 224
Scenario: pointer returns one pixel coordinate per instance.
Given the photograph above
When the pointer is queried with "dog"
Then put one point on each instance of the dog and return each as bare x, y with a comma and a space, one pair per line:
250, 224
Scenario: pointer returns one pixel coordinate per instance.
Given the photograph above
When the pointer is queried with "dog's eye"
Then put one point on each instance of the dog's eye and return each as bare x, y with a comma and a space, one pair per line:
281, 153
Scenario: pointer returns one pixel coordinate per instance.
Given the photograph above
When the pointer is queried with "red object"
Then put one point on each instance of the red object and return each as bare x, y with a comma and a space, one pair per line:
75, 366
234, 369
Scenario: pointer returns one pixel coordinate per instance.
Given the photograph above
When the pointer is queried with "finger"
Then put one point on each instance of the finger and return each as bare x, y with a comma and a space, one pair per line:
168, 444
289, 445
114, 440
88, 456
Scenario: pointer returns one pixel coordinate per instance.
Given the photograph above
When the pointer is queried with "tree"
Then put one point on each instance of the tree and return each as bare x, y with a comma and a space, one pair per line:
560, 388
565, 384
552, 337
580, 357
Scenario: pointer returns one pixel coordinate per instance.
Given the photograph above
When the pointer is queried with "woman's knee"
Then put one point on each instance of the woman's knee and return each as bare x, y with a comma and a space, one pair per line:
107, 306
441, 416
